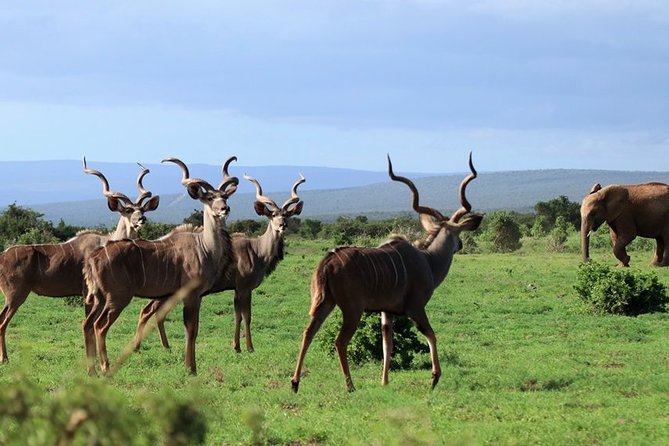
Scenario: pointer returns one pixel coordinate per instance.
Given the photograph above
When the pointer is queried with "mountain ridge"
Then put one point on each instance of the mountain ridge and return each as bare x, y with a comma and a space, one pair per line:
378, 198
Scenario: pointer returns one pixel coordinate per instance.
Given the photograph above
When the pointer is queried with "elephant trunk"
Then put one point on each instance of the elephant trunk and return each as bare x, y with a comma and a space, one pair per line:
585, 240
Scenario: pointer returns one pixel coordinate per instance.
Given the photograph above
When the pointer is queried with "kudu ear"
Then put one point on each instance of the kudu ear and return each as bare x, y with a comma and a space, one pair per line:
115, 204
471, 222
261, 209
152, 204
428, 223
297, 209
194, 190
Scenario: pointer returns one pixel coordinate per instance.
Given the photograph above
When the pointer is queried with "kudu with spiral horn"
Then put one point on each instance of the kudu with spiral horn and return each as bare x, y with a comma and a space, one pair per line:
396, 278
254, 259
55, 269
156, 269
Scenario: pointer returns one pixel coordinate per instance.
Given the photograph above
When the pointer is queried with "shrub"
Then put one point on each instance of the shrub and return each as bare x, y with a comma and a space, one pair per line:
92, 412
558, 235
620, 291
367, 344
503, 232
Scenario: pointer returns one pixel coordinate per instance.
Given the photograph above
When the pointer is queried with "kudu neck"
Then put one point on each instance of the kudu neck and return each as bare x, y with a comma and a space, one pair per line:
440, 254
268, 242
211, 232
123, 231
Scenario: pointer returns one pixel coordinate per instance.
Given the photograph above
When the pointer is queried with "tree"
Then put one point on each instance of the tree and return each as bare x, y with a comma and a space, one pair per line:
152, 230
196, 218
311, 228
558, 207
23, 225
503, 231
64, 232
247, 226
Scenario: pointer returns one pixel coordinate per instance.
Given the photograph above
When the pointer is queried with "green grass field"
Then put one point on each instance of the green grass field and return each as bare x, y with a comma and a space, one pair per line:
522, 364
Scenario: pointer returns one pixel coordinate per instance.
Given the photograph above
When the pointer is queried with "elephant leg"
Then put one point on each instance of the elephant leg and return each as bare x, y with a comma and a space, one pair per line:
620, 243
659, 252
664, 259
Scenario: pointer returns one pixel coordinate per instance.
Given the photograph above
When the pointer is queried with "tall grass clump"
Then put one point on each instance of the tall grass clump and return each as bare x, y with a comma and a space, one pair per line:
622, 291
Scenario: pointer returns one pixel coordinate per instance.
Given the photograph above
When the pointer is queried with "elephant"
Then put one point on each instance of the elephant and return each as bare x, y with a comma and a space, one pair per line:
630, 211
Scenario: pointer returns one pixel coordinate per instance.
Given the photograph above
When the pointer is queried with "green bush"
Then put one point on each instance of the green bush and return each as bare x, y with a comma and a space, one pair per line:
558, 235
367, 344
502, 232
92, 412
620, 290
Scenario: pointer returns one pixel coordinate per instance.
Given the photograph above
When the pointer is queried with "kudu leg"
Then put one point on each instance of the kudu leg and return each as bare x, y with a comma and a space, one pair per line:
348, 328
423, 325
92, 312
317, 318
145, 315
6, 315
387, 335
243, 312
191, 317
103, 323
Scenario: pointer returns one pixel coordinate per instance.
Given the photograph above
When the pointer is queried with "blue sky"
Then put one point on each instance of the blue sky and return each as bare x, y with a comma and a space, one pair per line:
523, 84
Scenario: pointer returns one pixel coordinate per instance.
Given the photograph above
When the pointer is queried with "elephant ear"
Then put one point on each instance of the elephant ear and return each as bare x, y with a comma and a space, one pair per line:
616, 202
597, 187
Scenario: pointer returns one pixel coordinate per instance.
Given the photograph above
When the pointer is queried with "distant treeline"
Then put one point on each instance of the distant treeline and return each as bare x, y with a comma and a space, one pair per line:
501, 229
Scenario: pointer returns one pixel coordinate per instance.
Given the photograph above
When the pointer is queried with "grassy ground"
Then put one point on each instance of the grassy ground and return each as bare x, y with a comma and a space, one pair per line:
522, 363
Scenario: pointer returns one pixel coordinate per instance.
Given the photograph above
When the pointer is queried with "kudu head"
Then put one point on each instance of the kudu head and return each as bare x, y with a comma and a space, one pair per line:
214, 199
278, 216
434, 222
131, 212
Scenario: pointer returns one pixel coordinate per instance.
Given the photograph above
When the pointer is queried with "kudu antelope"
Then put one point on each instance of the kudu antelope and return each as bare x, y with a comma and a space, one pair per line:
55, 270
255, 258
396, 278
156, 269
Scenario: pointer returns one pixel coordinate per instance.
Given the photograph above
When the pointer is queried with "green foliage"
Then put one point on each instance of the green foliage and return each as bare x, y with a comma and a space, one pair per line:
36, 235
181, 422
152, 230
367, 344
620, 290
92, 412
19, 225
502, 232
470, 244
357, 230
559, 235
311, 228
89, 412
63, 231
558, 207
248, 227
196, 218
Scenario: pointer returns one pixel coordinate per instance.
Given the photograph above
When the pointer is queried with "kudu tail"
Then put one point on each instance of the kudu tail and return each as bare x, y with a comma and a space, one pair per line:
89, 279
318, 287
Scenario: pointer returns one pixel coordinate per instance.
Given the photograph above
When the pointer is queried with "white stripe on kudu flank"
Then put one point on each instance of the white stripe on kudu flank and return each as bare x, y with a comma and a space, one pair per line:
401, 260
397, 276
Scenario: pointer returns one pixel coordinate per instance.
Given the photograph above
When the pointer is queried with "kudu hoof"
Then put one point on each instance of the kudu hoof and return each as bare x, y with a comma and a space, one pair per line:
295, 385
435, 380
